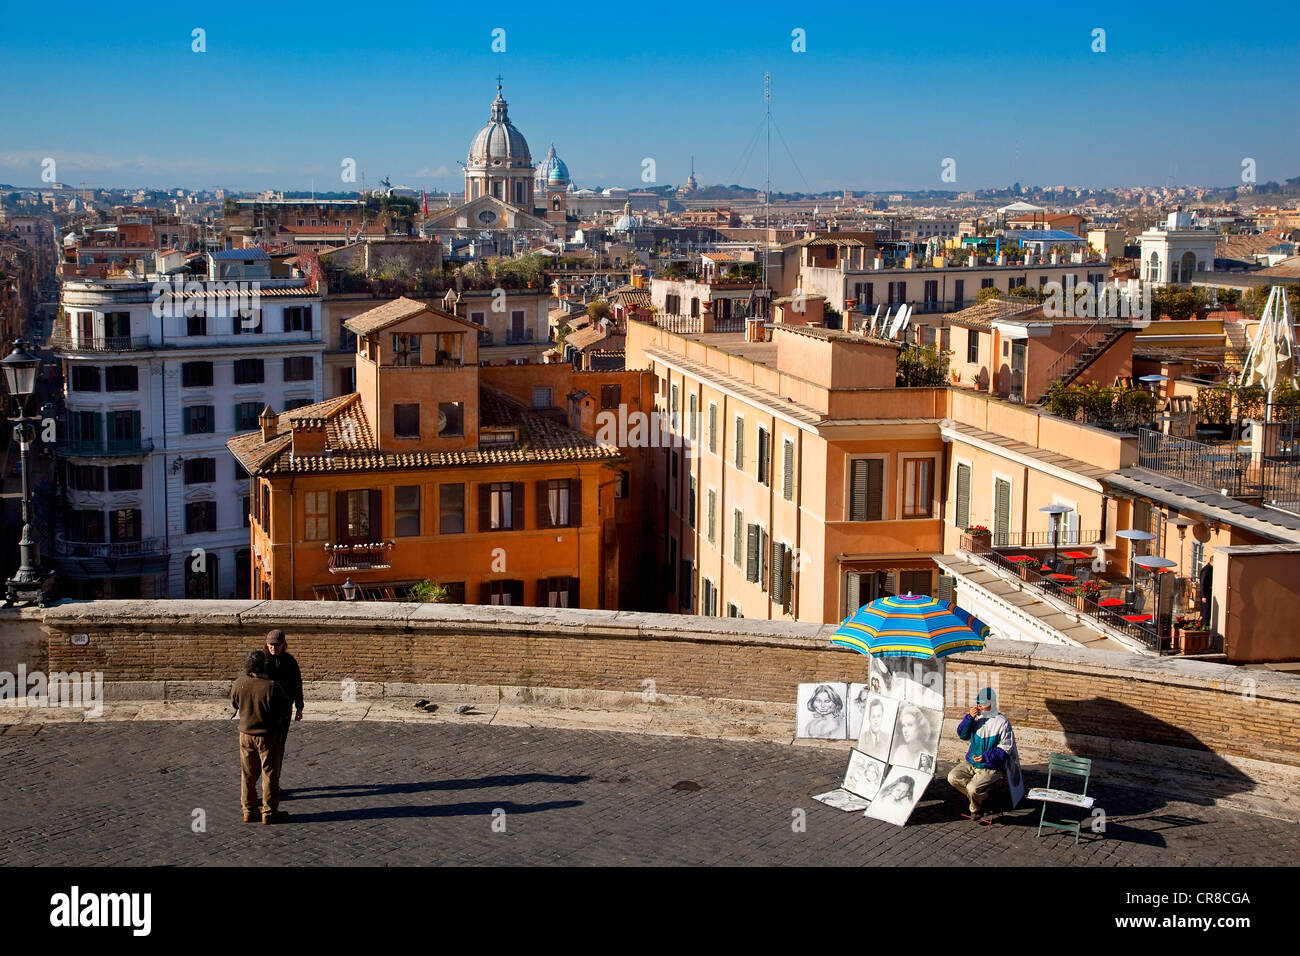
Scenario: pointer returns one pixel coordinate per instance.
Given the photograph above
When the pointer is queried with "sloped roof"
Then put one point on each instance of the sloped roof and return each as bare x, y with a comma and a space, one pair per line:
540, 440
398, 310
983, 315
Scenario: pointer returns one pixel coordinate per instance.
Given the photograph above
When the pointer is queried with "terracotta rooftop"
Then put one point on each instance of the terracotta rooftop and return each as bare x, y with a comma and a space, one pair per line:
398, 310
351, 445
983, 315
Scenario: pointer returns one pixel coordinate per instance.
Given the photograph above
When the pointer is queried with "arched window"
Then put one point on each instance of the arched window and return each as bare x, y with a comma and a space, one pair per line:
1153, 267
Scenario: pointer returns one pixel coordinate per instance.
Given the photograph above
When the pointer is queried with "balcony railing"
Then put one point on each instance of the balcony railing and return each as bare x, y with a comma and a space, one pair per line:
1043, 539
1220, 466
1040, 583
519, 338
60, 341
368, 556
116, 549
91, 447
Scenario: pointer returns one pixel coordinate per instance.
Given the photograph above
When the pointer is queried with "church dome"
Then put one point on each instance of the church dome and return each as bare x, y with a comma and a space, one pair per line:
499, 143
551, 173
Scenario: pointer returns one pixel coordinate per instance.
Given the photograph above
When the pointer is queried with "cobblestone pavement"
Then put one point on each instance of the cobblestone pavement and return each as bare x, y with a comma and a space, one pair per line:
124, 793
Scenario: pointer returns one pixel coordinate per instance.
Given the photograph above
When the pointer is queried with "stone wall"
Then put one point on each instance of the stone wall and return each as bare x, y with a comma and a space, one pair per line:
1091, 699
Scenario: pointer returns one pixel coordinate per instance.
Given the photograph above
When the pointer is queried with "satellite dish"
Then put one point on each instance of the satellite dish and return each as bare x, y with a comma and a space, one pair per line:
442, 421
1201, 533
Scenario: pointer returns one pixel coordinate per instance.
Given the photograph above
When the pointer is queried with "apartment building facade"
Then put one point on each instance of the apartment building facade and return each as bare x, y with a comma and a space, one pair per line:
427, 472
160, 371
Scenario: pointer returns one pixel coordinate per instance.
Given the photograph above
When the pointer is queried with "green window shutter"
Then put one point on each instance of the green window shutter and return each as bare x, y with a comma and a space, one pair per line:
740, 444
737, 520
751, 553
962, 517
713, 428
947, 589
787, 488
1002, 513
778, 566
713, 503
787, 576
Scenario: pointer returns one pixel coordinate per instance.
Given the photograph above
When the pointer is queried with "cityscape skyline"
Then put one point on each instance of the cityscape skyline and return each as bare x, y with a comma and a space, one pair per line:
1031, 106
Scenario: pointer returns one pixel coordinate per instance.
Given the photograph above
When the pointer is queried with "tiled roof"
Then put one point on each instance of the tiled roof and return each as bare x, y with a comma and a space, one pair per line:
398, 310
1047, 457
983, 315
344, 417
835, 335
1242, 246
1270, 522
632, 296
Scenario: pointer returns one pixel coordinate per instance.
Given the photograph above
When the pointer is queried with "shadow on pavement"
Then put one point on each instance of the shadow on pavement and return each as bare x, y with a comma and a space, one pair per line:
1137, 791
431, 810
424, 786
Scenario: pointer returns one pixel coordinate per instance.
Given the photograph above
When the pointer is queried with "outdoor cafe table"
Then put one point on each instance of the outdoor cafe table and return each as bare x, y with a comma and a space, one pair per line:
1021, 557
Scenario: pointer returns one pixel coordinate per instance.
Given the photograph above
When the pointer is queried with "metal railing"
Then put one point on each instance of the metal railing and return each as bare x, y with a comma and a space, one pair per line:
519, 338
369, 556
1221, 467
1065, 537
61, 341
1092, 335
106, 446
115, 549
1041, 583
1280, 484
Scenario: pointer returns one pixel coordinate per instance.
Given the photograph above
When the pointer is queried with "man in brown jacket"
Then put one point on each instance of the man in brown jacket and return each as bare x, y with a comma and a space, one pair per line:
263, 714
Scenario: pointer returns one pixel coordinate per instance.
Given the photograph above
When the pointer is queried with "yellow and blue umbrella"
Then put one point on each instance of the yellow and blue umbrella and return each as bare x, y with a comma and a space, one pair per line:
911, 626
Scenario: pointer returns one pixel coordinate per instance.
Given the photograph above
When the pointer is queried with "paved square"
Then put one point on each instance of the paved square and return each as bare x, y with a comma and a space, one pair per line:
405, 793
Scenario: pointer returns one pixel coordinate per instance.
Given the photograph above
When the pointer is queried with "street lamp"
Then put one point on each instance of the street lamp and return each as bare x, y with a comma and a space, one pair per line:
1134, 536
29, 582
1154, 563
349, 590
1056, 511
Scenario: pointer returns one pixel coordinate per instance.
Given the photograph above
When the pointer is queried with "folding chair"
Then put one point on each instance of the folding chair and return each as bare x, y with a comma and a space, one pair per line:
1063, 764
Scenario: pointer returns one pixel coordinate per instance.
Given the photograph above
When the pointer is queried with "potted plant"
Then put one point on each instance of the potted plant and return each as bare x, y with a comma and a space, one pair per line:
980, 536
1085, 592
1192, 634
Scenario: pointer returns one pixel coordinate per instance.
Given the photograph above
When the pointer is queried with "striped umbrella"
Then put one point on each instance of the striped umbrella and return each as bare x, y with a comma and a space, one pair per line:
911, 626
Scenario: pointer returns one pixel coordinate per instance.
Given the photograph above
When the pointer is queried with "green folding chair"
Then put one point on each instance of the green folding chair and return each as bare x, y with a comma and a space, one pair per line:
1063, 765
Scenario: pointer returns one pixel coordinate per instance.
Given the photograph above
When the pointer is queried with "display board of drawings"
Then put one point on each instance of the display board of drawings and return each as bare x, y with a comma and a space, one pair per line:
896, 718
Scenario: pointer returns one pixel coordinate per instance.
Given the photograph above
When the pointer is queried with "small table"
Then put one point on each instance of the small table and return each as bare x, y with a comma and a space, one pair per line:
1063, 578
1021, 557
1136, 618
1112, 602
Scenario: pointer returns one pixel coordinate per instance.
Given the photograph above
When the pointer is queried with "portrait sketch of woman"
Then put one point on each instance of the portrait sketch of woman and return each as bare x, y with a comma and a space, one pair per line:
822, 711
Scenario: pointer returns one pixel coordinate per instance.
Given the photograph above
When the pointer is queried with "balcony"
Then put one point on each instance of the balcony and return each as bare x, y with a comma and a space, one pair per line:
60, 341
106, 447
1221, 466
523, 337
1040, 583
369, 556
117, 549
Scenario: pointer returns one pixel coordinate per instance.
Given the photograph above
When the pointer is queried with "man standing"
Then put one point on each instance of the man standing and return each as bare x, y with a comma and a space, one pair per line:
263, 713
283, 669
992, 745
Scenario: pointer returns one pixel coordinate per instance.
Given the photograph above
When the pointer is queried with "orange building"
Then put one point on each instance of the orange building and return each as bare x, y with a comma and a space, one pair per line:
428, 473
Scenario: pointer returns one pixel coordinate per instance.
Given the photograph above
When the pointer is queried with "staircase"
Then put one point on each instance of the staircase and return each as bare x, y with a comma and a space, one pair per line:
1082, 353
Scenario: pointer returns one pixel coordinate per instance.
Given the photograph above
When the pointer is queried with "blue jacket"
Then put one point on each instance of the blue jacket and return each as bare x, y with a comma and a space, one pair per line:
990, 738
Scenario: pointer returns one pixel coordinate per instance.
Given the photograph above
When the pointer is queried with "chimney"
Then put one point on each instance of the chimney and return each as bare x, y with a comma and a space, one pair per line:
267, 420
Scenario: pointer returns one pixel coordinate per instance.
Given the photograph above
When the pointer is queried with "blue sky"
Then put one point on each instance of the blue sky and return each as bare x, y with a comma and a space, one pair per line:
882, 95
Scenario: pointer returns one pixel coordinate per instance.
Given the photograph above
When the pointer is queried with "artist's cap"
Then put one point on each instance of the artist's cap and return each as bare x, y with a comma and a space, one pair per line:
275, 637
